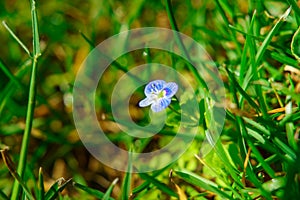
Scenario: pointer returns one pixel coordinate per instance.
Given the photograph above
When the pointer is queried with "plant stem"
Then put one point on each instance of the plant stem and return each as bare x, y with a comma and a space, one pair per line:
27, 131
31, 102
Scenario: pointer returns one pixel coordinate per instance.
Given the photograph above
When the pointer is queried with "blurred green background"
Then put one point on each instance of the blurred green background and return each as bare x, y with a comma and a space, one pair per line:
69, 30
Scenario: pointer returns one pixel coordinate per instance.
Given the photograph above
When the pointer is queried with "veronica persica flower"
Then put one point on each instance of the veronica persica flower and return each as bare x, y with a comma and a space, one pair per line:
158, 94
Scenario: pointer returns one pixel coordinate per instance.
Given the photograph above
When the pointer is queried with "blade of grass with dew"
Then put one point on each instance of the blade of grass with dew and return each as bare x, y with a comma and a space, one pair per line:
56, 188
202, 182
41, 194
31, 100
274, 184
162, 186
109, 190
96, 193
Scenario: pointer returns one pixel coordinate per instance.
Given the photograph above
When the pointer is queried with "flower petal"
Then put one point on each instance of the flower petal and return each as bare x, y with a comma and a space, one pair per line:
146, 102
161, 104
154, 87
170, 89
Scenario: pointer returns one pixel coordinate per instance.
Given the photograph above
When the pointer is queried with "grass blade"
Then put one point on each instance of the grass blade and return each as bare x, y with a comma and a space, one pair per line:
109, 190
56, 188
95, 193
41, 185
163, 187
202, 182
126, 186
266, 42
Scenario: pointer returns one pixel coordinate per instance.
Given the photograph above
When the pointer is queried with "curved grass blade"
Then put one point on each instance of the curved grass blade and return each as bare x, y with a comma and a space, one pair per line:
295, 45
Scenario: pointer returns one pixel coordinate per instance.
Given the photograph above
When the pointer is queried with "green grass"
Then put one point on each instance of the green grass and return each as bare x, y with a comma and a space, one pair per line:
254, 44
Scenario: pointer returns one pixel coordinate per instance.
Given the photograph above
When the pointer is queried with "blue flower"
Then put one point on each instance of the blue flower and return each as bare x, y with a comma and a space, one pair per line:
158, 95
